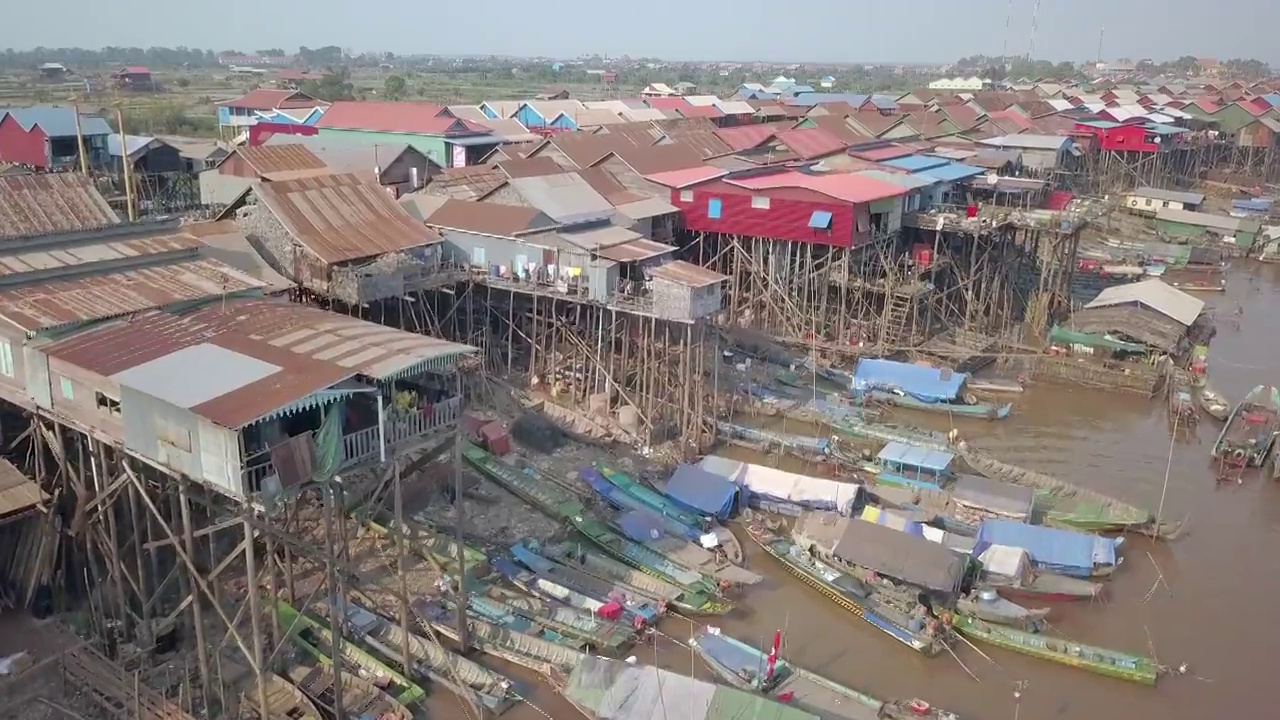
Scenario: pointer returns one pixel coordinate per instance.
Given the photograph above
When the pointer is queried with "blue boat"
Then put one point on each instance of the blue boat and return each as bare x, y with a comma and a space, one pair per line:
1064, 552
919, 387
899, 463
575, 588
625, 502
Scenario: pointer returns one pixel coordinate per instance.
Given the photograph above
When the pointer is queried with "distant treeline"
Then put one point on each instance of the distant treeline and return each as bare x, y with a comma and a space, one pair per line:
158, 57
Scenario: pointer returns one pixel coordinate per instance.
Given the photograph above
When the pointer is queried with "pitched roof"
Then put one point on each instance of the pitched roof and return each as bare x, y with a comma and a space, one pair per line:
56, 121
660, 158
468, 112
268, 99
603, 182
1028, 141
415, 118
489, 218
849, 187
280, 162
874, 122
687, 176
1155, 294
565, 198
746, 137
529, 167
51, 203
585, 150
811, 143
340, 218
668, 103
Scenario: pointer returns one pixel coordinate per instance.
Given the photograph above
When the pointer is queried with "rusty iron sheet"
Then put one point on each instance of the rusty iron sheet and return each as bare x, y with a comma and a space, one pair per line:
51, 203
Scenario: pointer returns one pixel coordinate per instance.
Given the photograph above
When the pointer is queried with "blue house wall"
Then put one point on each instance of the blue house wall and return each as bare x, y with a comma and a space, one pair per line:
529, 117
563, 122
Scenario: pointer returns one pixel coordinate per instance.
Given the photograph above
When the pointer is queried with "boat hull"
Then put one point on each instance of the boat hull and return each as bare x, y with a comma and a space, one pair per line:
1233, 447
1101, 661
984, 411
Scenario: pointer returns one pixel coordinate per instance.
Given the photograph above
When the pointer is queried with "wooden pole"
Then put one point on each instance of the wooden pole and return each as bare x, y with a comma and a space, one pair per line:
197, 612
336, 596
80, 148
463, 641
400, 529
128, 169
255, 610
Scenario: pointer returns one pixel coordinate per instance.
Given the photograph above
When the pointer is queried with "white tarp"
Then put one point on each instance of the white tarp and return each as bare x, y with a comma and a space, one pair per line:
1005, 561
618, 691
782, 486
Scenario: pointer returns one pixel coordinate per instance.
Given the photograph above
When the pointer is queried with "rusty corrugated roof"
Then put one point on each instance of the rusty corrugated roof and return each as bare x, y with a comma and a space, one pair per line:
489, 218
469, 183
688, 274
51, 203
62, 258
37, 306
340, 218
634, 251
311, 349
279, 160
529, 167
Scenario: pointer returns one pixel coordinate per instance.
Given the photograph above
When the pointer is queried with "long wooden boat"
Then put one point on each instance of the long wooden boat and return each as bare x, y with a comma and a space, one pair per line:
594, 563
368, 666
1251, 429
995, 385
284, 700
887, 432
849, 593
448, 669
747, 668
1213, 404
1046, 587
1181, 403
624, 501
571, 622
1071, 506
528, 651
644, 558
986, 411
361, 699
802, 446
986, 604
578, 589
652, 499
546, 496
1102, 661
478, 609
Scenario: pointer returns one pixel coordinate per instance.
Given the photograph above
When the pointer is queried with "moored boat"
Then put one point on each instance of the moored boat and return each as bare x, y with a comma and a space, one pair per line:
568, 621
652, 499
522, 649
1057, 550
578, 589
621, 500
1251, 429
1009, 571
360, 698
986, 604
747, 668
1213, 404
919, 387
643, 557
604, 567
284, 700
1063, 504
1102, 661
870, 603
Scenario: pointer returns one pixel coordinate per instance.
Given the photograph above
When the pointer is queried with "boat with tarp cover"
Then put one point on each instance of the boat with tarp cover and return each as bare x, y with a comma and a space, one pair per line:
1010, 572
751, 669
892, 610
1066, 552
920, 387
612, 690
963, 505
780, 491
578, 555
1102, 661
1063, 504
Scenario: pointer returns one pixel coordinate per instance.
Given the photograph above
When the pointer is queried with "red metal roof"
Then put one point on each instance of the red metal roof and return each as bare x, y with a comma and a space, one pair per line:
268, 99
1007, 117
1058, 200
747, 137
132, 70
343, 217
811, 143
687, 176
849, 187
1206, 105
417, 118
668, 103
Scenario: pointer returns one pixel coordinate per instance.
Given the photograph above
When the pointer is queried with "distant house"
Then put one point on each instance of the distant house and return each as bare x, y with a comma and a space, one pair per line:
686, 88
145, 154
960, 84
1148, 201
52, 72
827, 82
287, 107
554, 93
45, 137
133, 77
658, 90
431, 128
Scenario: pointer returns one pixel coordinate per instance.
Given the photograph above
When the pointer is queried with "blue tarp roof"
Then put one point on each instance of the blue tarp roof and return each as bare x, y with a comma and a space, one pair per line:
952, 172
641, 526
1072, 552
925, 383
1252, 204
813, 98
915, 163
916, 456
702, 491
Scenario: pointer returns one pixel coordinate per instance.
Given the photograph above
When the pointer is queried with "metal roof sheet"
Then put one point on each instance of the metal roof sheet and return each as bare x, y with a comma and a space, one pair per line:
687, 274
283, 158
1027, 141
1155, 294
17, 260
746, 137
1205, 220
811, 143
343, 217
687, 176
467, 183
848, 187
916, 456
916, 163
1187, 198
414, 118
735, 107
51, 203
565, 198
223, 242
908, 181
595, 239
489, 218
269, 99
468, 112
647, 208
132, 144
56, 121
510, 130
952, 172
635, 251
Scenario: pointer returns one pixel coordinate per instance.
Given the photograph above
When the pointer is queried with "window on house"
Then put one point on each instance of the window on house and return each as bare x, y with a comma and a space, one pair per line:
477, 256
713, 208
1164, 204
820, 220
6, 358
686, 196
1148, 202
68, 392
106, 403
759, 202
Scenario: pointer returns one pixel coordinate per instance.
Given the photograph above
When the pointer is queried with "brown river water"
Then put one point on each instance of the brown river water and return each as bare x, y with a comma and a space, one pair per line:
1222, 575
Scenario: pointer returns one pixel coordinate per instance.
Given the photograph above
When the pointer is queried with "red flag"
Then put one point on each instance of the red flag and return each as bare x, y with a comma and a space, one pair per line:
773, 655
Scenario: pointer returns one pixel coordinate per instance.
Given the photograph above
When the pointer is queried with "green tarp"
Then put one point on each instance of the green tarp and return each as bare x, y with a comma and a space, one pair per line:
1064, 336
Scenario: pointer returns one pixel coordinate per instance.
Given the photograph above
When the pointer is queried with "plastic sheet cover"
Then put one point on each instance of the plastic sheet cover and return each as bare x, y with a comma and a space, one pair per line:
702, 491
1065, 551
925, 383
787, 487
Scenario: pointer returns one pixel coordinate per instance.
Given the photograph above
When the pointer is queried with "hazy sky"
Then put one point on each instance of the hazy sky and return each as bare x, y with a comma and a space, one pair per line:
819, 30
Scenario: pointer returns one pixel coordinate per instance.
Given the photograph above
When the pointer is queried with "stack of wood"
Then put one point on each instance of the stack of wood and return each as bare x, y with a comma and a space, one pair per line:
33, 541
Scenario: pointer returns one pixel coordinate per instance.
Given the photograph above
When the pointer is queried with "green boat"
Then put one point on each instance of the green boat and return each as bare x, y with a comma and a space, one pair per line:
606, 568
565, 620
1102, 661
295, 623
1063, 504
545, 495
644, 558
652, 499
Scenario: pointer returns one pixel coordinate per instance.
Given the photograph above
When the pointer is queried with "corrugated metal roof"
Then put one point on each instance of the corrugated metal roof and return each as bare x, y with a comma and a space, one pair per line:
240, 360
414, 118
660, 158
735, 107
811, 143
529, 167
34, 307
848, 187
268, 99
1155, 294
687, 176
594, 117
635, 251
226, 244
284, 158
916, 163
510, 130
56, 121
1186, 198
343, 217
597, 238
133, 144
468, 112
1029, 142
747, 137
910, 182
16, 260
467, 183
345, 155
489, 218
647, 208
51, 203
565, 198
687, 274
916, 456
952, 172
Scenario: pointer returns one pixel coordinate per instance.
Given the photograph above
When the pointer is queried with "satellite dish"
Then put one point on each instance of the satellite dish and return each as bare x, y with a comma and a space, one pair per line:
992, 178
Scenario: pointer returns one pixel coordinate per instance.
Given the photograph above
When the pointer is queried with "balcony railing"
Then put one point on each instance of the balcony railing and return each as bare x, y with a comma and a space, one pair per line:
362, 445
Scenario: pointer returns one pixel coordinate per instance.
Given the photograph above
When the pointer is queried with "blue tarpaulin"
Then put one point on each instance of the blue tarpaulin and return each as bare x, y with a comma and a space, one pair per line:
641, 526
915, 456
925, 383
702, 492
1062, 551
